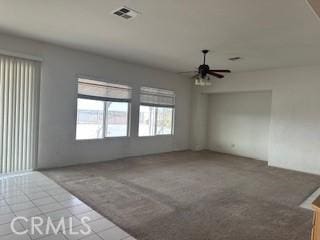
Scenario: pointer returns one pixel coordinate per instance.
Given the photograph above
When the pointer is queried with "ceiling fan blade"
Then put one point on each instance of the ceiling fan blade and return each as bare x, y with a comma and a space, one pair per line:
216, 74
221, 70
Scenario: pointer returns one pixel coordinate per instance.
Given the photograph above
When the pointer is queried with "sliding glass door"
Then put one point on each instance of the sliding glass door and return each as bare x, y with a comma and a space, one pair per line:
19, 101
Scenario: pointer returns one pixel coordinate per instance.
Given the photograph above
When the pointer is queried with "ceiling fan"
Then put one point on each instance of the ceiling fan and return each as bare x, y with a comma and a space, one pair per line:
202, 77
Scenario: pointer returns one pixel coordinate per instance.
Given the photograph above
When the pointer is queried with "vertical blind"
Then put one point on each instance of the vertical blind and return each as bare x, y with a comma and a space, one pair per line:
19, 101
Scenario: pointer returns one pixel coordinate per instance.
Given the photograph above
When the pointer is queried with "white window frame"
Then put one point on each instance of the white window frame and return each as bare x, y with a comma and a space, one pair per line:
104, 123
128, 120
156, 116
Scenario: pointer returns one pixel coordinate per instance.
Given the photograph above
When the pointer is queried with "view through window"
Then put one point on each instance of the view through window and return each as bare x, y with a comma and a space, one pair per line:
90, 119
117, 119
102, 110
156, 115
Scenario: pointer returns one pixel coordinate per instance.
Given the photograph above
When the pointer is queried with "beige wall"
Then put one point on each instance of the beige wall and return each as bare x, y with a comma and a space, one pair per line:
238, 123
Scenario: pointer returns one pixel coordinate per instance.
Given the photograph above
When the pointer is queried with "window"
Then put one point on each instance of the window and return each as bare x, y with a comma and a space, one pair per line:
90, 119
156, 112
164, 121
117, 119
103, 109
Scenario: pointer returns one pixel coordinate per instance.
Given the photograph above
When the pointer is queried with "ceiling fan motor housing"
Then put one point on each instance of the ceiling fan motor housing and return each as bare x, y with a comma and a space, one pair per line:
203, 70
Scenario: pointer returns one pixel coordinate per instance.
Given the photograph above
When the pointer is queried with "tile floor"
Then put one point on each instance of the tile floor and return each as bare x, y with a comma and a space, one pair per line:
34, 195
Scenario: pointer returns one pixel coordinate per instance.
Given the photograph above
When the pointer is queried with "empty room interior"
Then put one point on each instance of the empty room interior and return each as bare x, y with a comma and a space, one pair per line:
160, 120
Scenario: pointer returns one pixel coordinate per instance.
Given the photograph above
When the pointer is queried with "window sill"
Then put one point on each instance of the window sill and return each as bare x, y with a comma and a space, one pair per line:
162, 135
121, 138
102, 139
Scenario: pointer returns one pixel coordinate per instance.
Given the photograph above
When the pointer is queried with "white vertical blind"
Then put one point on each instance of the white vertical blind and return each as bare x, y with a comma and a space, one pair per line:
19, 101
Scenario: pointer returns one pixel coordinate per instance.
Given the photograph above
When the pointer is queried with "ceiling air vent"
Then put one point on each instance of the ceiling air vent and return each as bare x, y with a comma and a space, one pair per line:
125, 12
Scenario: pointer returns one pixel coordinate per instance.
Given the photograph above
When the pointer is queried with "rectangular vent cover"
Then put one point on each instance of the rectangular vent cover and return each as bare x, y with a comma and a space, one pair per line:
125, 12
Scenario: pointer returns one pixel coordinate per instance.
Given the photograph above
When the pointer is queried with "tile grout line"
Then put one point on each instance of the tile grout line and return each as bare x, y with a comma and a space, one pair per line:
20, 187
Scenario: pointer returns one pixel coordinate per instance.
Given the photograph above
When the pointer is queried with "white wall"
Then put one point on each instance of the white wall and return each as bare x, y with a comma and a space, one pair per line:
57, 144
199, 119
295, 111
294, 141
239, 123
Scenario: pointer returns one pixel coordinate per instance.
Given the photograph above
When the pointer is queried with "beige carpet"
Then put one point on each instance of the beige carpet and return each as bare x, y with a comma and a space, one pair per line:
195, 195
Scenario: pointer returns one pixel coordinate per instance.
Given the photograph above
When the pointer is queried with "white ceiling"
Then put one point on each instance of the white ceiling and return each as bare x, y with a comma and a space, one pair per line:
169, 34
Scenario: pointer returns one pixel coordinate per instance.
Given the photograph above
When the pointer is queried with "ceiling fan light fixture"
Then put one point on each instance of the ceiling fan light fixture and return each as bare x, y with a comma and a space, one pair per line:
204, 71
202, 82
198, 81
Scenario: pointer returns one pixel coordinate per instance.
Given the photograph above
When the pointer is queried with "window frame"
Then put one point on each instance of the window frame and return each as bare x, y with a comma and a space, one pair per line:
156, 120
128, 120
104, 101
172, 121
173, 107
